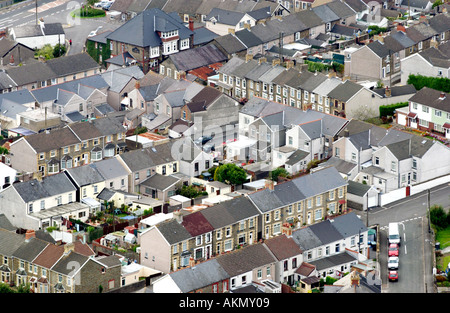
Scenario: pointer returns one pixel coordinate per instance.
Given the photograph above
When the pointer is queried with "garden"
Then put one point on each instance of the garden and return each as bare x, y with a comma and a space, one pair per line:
440, 220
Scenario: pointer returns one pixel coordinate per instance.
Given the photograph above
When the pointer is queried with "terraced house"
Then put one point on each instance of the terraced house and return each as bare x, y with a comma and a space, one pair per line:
50, 268
77, 144
187, 239
302, 201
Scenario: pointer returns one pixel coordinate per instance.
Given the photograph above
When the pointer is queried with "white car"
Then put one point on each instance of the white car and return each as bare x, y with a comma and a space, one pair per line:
393, 262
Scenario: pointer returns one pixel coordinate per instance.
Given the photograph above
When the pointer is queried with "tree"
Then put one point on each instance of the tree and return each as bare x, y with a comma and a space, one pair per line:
231, 174
278, 172
438, 217
59, 50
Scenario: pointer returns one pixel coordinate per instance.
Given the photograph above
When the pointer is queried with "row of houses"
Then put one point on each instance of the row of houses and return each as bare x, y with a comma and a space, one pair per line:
383, 58
297, 87
299, 259
33, 259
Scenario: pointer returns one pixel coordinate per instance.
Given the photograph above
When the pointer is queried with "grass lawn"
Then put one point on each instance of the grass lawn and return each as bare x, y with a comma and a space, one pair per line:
443, 237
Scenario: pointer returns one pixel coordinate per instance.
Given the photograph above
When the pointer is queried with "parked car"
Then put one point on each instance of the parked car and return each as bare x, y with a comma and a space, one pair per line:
393, 262
100, 4
393, 275
202, 140
107, 6
94, 32
393, 249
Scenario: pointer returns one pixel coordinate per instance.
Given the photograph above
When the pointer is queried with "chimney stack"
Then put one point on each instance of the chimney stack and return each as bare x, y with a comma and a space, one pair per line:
442, 96
269, 184
69, 247
30, 234
178, 216
387, 92
137, 85
248, 57
191, 24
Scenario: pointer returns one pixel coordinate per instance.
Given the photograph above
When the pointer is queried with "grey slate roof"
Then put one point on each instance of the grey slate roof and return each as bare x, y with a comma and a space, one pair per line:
6, 224
71, 64
333, 261
246, 259
173, 231
35, 30
225, 16
348, 224
83, 87
63, 266
297, 189
430, 97
202, 35
50, 186
306, 239
345, 91
29, 250
230, 43
230, 212
142, 30
326, 232
248, 38
160, 182
325, 13
378, 48
84, 175
356, 188
198, 57
199, 276
296, 157
141, 159
9, 242
341, 9
110, 168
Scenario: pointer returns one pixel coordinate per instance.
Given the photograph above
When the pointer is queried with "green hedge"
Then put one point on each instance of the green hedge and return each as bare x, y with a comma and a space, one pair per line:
438, 83
388, 110
88, 12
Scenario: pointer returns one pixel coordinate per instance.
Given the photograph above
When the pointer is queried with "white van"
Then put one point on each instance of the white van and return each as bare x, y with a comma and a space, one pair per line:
394, 234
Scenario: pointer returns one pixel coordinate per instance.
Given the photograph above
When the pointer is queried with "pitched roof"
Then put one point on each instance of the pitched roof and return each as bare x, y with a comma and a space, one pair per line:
146, 158
283, 247
196, 224
198, 57
432, 98
142, 30
201, 275
348, 224
160, 182
35, 30
230, 43
173, 231
225, 16
10, 242
229, 212
345, 91
245, 259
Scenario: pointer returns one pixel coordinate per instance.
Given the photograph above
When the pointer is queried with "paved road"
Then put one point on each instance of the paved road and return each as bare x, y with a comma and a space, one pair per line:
56, 11
416, 258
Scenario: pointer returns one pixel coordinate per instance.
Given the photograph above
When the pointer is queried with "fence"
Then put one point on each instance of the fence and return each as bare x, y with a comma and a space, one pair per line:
411, 190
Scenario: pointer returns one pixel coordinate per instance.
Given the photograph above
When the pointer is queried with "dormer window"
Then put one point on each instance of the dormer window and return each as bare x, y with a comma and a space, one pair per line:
172, 33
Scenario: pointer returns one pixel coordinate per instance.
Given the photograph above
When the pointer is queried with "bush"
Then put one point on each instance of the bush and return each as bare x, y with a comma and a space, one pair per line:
439, 217
389, 109
86, 12
438, 83
277, 173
